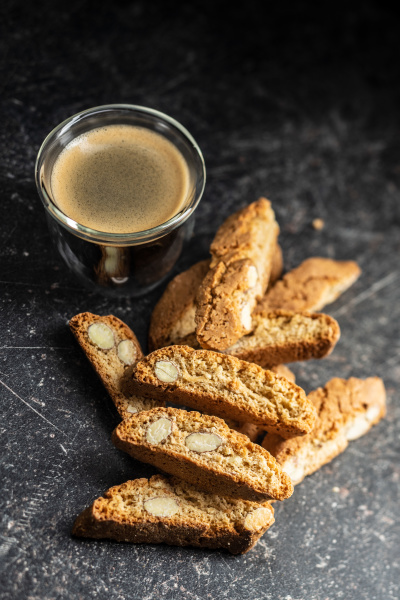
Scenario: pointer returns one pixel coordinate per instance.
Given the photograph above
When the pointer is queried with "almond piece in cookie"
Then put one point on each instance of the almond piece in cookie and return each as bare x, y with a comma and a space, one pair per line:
315, 283
283, 336
202, 450
346, 410
112, 348
240, 269
171, 511
225, 386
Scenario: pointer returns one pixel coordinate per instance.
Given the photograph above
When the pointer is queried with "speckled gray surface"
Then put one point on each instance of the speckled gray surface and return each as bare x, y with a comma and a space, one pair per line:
299, 106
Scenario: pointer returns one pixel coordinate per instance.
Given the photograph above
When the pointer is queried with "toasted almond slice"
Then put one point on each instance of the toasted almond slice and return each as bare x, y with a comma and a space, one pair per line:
161, 506
255, 520
166, 371
203, 441
159, 431
127, 352
101, 335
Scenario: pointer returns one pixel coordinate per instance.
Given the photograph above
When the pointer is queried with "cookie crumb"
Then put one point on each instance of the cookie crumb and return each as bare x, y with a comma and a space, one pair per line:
318, 224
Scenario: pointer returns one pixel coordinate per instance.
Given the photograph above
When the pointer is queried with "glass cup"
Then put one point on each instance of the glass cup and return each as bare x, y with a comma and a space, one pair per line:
120, 264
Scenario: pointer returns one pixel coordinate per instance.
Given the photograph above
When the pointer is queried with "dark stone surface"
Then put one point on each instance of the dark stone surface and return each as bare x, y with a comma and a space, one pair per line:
299, 104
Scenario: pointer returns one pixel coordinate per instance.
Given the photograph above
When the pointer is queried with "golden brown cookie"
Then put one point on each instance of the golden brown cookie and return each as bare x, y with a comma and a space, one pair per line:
173, 317
225, 386
202, 450
111, 347
283, 336
171, 511
315, 283
346, 409
239, 273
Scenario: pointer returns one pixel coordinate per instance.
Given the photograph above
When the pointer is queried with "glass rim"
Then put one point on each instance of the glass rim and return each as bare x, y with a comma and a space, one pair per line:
102, 237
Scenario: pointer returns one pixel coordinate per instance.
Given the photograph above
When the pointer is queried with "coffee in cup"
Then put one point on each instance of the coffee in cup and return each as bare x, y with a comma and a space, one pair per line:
120, 179
120, 184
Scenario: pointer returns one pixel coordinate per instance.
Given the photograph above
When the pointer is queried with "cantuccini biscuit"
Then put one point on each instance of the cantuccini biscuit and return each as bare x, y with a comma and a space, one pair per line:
111, 347
315, 283
283, 336
171, 511
224, 386
346, 410
173, 317
239, 273
202, 450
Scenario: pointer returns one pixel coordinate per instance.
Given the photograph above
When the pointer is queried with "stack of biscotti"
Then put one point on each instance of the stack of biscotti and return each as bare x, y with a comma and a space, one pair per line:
213, 333
218, 496
235, 302
205, 455
308, 288
198, 449
284, 325
208, 460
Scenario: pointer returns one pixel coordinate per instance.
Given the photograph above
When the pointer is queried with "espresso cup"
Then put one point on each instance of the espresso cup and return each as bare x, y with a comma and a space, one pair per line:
120, 264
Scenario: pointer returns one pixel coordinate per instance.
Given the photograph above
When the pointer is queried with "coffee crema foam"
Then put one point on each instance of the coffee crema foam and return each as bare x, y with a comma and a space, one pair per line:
120, 179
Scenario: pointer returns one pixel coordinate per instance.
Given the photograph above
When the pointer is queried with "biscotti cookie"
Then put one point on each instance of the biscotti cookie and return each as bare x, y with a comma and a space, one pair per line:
111, 347
224, 386
173, 317
202, 450
346, 409
315, 283
169, 510
239, 273
283, 336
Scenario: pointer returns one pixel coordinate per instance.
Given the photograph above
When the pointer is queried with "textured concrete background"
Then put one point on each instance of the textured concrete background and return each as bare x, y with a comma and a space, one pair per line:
297, 105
